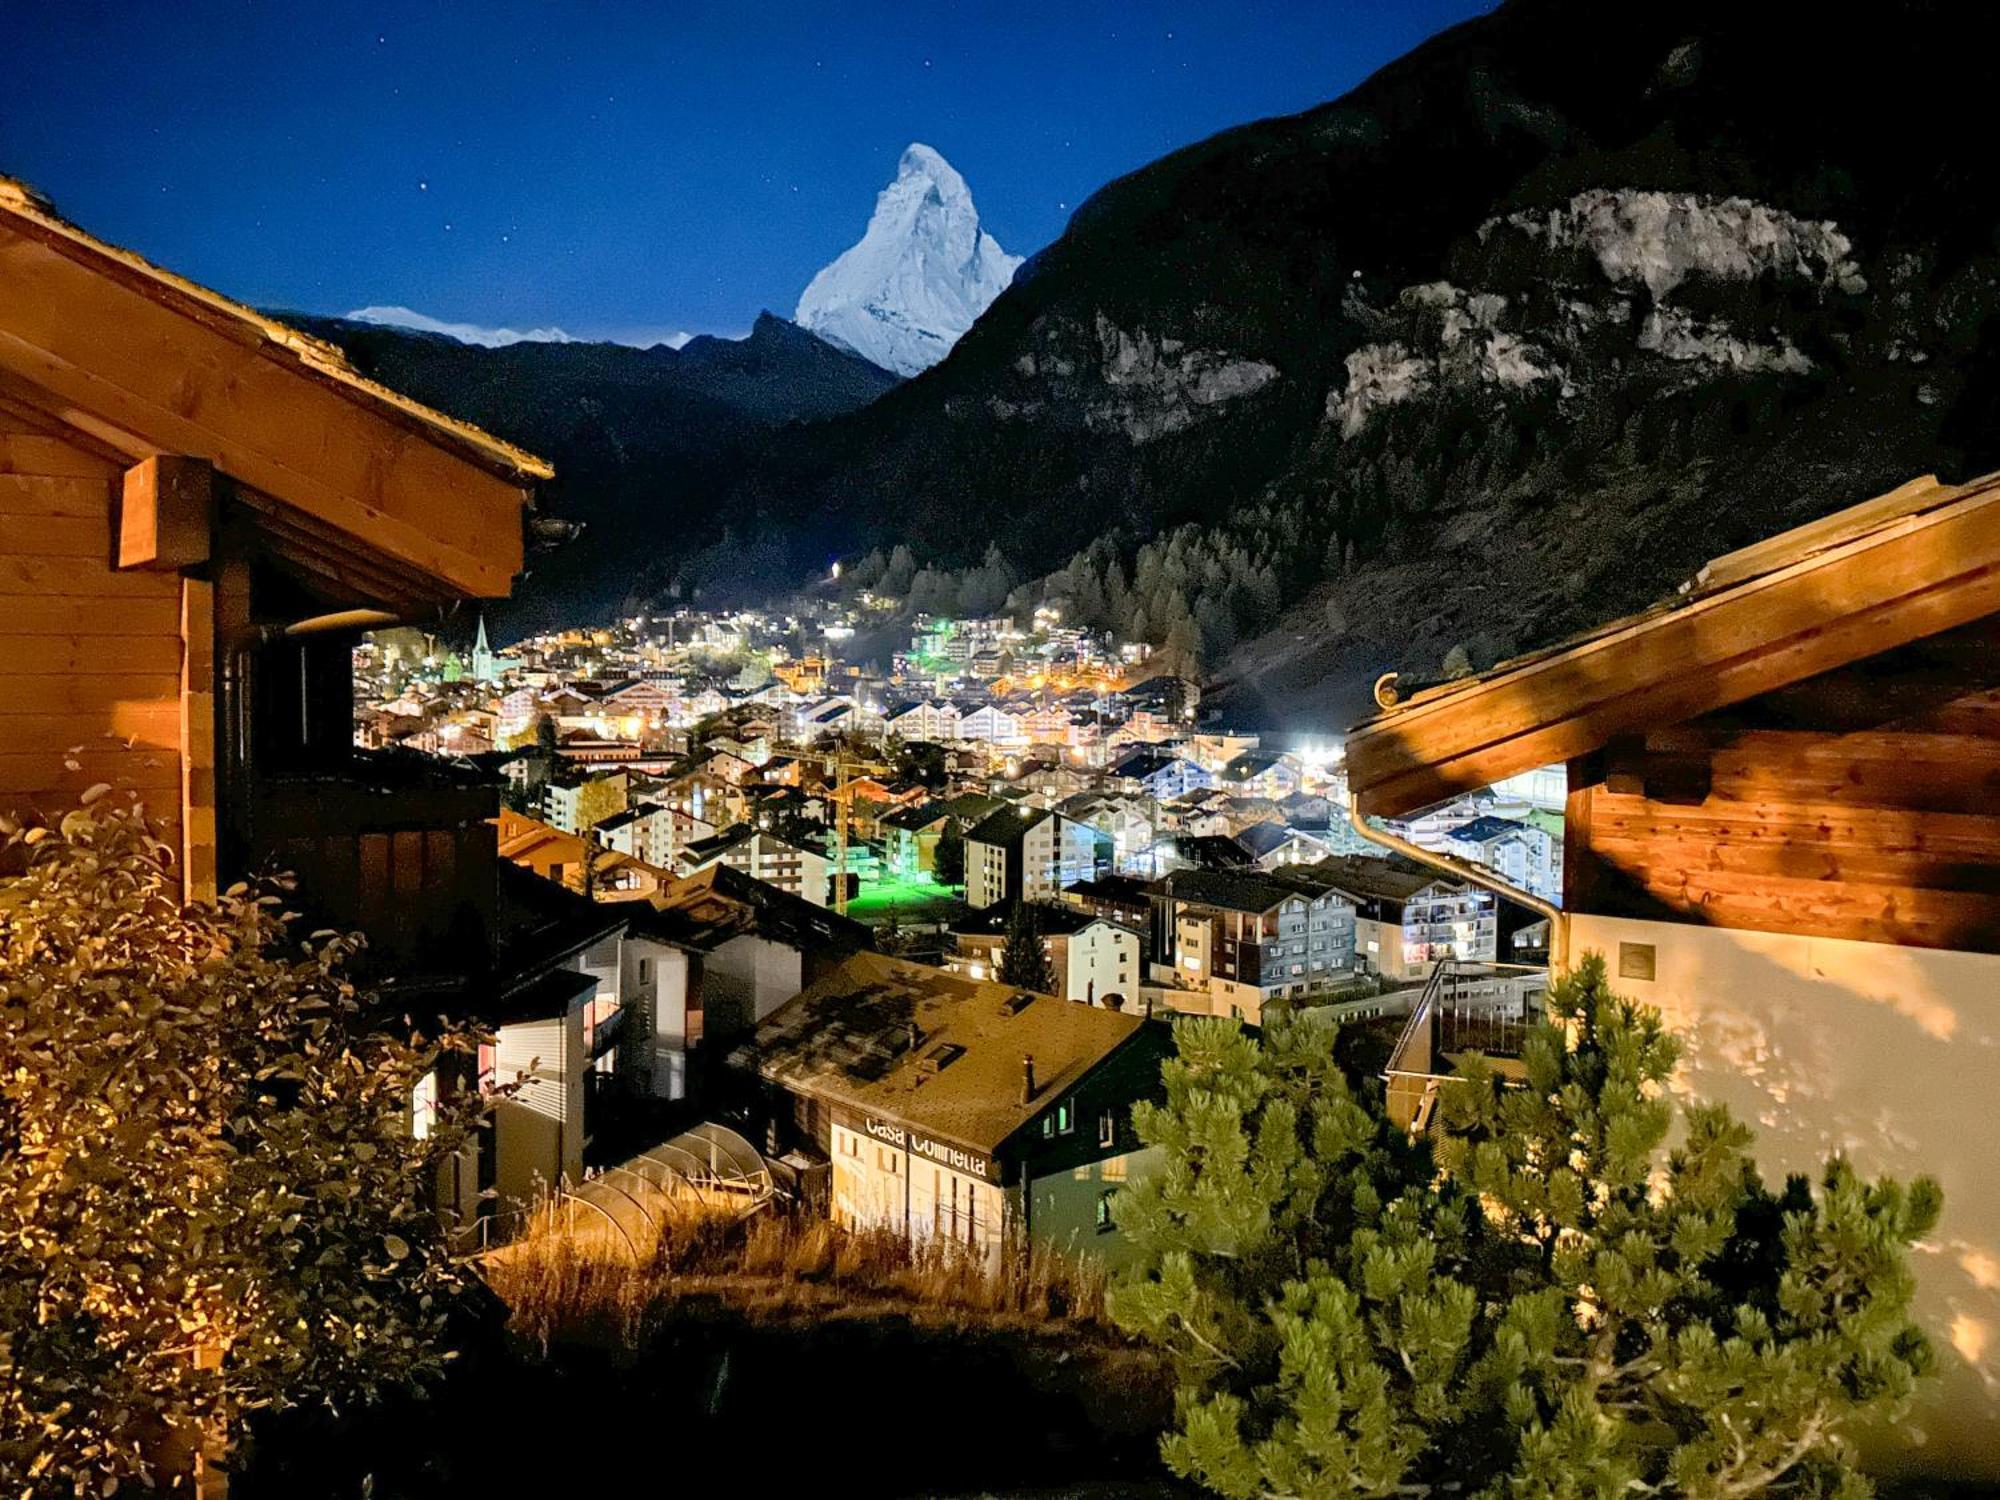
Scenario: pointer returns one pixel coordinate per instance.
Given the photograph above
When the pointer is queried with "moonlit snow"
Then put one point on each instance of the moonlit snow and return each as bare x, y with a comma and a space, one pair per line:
497, 338
922, 272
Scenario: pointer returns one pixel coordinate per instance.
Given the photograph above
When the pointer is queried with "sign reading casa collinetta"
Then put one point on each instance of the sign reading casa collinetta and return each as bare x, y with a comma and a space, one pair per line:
930, 1148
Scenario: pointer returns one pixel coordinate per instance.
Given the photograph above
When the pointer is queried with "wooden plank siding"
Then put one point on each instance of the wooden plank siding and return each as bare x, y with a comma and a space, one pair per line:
90, 659
182, 379
1917, 576
1881, 826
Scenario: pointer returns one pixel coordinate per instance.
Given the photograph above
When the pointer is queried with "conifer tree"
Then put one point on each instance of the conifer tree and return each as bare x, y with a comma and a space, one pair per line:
1550, 1303
948, 858
1023, 961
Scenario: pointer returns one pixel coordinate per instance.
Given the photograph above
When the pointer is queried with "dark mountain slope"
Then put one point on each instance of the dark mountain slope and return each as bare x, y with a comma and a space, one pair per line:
642, 439
1502, 343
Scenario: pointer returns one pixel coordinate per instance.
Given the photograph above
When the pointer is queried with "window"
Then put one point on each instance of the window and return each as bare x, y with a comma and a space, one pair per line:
1107, 1129
645, 971
1066, 1117
1104, 1224
489, 1067
424, 1106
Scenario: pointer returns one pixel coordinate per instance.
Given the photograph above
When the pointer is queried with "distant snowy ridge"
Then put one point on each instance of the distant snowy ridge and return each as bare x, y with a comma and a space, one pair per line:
917, 278
497, 338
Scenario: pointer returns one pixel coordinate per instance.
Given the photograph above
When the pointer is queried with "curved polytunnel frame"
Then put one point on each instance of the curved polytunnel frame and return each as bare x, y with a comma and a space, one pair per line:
708, 1166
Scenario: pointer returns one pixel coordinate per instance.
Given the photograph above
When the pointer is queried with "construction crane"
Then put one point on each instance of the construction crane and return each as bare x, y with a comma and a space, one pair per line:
846, 769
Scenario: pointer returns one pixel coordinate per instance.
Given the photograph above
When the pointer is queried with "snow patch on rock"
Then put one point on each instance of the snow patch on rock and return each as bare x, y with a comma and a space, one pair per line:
1378, 376
1453, 341
465, 333
1677, 334
1658, 240
1162, 385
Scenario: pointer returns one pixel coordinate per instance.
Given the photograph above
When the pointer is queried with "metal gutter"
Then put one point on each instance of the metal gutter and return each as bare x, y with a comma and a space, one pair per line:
1462, 870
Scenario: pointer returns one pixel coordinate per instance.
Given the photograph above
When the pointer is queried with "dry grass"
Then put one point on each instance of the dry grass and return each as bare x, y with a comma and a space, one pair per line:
563, 1288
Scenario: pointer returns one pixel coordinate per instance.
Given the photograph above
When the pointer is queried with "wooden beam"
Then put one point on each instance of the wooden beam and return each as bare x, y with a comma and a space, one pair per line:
114, 358
198, 817
166, 514
1909, 579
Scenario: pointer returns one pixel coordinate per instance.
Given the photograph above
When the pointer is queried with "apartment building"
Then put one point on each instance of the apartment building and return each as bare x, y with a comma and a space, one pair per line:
762, 855
1027, 854
1247, 938
1095, 961
954, 1109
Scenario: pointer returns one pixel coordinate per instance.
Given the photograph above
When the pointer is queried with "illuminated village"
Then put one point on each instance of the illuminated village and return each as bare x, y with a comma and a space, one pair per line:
1335, 833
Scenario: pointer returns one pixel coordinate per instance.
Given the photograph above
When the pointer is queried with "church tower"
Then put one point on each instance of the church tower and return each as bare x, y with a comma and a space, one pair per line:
483, 669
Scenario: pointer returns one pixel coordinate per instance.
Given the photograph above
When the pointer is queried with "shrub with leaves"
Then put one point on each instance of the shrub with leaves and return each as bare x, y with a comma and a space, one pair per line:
1552, 1302
211, 1197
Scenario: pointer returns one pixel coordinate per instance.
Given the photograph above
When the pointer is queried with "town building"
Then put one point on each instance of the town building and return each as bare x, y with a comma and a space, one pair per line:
1273, 845
764, 856
1160, 774
1394, 899
959, 1110
575, 801
910, 834
1026, 854
1095, 960
1122, 898
1260, 773
1524, 855
1247, 938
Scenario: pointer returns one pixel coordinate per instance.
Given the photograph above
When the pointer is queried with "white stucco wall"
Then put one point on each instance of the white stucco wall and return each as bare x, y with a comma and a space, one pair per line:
1888, 1054
538, 1138
1102, 959
655, 987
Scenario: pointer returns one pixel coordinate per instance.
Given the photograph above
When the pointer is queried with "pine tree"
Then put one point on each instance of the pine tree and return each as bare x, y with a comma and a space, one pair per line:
1550, 1303
1023, 961
948, 858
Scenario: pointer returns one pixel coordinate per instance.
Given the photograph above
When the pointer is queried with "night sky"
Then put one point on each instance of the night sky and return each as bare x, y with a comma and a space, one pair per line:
619, 170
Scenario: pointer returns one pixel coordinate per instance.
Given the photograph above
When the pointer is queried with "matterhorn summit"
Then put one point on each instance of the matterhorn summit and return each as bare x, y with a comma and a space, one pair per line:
924, 270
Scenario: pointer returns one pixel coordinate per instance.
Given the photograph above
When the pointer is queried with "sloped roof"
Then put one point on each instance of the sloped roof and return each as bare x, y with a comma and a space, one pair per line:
1007, 825
1249, 764
1053, 918
1486, 828
314, 357
1918, 561
1377, 878
379, 499
1263, 838
717, 903
1233, 890
848, 1039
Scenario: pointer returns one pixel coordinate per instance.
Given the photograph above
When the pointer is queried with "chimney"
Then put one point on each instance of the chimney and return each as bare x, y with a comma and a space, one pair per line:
1027, 1079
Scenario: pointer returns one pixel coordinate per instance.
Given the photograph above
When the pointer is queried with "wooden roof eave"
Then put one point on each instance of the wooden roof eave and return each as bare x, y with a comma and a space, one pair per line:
316, 357
148, 364
1790, 615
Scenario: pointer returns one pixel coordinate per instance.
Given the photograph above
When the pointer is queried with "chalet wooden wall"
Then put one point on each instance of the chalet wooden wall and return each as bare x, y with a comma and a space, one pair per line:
90, 658
1860, 804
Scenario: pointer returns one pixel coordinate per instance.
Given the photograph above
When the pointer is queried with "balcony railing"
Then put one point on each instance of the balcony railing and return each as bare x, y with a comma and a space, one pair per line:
397, 846
1466, 1007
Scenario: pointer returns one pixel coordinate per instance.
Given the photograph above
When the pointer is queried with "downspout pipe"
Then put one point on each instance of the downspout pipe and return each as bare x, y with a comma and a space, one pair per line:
1463, 870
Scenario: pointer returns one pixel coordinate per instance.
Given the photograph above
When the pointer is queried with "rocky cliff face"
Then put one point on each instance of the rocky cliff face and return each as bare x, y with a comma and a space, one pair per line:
1503, 343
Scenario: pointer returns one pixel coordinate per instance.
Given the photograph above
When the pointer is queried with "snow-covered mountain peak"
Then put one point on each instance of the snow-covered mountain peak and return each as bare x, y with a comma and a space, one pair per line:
920, 274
